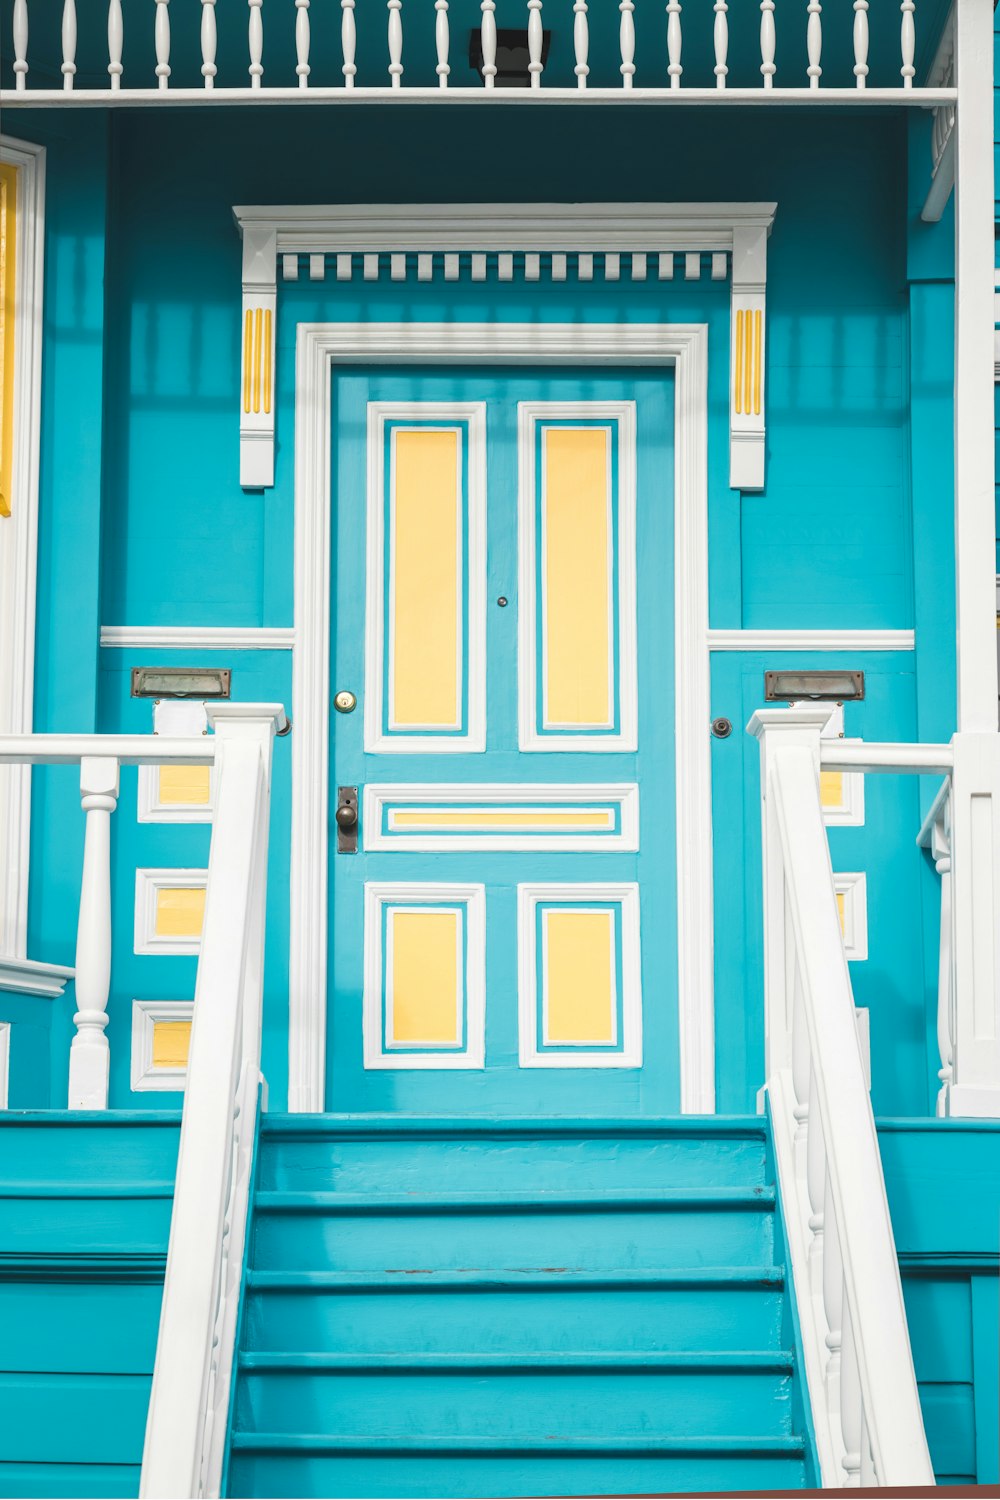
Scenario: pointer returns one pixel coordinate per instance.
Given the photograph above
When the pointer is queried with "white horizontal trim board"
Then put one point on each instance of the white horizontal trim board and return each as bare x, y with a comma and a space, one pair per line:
200, 637
811, 640
148, 884
105, 98
26, 976
145, 1014
499, 795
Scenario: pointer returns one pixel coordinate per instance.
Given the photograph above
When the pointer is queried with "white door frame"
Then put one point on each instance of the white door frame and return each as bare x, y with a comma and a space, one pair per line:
319, 348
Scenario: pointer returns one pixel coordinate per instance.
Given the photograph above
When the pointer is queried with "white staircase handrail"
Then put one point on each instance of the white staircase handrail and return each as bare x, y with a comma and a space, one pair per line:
858, 1362
189, 1401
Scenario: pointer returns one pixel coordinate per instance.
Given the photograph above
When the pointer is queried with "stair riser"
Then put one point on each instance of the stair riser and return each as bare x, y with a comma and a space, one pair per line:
73, 1419
75, 1150
75, 1481
84, 1226
516, 1322
440, 1477
88, 1329
528, 1404
448, 1164
577, 1240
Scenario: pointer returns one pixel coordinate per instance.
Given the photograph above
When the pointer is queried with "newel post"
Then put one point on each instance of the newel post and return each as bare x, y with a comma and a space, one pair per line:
778, 729
974, 1087
89, 1054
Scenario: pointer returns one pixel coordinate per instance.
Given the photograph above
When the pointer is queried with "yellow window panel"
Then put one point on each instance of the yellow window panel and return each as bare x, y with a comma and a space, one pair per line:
184, 785
576, 582
180, 911
579, 977
841, 912
426, 545
8, 253
425, 978
831, 789
559, 819
171, 1043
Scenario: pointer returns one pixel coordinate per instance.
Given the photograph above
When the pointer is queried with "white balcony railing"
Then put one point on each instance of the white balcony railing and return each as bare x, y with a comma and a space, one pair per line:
185, 1433
256, 32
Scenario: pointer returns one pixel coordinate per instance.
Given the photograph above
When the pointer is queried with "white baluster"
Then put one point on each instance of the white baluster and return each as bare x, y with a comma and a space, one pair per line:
814, 42
209, 43
815, 1188
256, 43
89, 1053
833, 1301
869, 1474
674, 43
489, 37
581, 42
161, 38
941, 848
21, 43
860, 42
800, 1070
348, 41
116, 39
68, 42
302, 42
908, 42
396, 43
767, 42
721, 43
443, 42
535, 42
850, 1404
626, 39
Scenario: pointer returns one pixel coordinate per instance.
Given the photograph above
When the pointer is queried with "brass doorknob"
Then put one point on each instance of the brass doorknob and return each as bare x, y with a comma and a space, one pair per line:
346, 815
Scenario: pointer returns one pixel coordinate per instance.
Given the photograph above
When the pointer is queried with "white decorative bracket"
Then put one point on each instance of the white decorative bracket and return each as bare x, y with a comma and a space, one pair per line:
556, 242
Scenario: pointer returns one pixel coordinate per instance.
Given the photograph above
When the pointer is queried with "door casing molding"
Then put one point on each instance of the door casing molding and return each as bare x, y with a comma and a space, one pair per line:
319, 348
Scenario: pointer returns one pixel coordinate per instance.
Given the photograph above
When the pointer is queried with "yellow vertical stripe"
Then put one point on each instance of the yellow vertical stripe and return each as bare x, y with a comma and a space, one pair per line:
8, 252
247, 357
424, 978
577, 636
426, 543
180, 911
267, 359
257, 345
579, 977
831, 788
841, 911
747, 360
187, 785
171, 1043
738, 376
758, 346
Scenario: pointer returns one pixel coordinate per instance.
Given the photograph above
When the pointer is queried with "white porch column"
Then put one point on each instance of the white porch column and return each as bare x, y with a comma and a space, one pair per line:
779, 729
89, 1057
974, 493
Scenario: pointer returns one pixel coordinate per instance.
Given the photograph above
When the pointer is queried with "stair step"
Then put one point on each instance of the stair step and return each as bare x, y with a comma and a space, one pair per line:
534, 1230
72, 1418
563, 1360
352, 1153
69, 1481
514, 1312
56, 1327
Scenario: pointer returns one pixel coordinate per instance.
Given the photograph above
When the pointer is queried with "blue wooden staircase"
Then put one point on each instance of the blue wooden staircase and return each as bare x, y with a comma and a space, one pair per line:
503, 1308
85, 1202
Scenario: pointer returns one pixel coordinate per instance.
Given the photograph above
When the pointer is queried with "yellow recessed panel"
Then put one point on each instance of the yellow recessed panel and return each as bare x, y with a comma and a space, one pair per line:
180, 911
841, 910
425, 578
831, 789
171, 1041
579, 977
8, 251
184, 785
559, 819
578, 669
424, 978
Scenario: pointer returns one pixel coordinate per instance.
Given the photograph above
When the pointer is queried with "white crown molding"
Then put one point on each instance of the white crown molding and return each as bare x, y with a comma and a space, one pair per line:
736, 230
200, 637
811, 640
19, 540
322, 346
27, 976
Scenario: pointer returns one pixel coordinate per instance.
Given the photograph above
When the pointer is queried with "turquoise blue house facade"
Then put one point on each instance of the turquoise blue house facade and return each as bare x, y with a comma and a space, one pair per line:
432, 436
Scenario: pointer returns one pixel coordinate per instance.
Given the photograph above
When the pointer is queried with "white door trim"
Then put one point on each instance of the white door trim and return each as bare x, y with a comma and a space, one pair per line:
319, 346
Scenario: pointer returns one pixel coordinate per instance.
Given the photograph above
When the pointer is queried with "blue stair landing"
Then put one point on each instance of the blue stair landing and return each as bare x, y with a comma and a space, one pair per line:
440, 1307
85, 1203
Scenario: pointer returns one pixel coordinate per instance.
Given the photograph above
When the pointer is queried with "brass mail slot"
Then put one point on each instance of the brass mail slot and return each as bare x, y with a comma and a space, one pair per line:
834, 687
180, 682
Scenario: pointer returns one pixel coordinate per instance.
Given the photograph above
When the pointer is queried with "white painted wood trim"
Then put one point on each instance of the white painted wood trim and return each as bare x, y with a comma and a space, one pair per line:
528, 898
173, 718
474, 413
19, 540
319, 346
473, 898
4, 1062
853, 886
147, 885
811, 640
199, 637
529, 415
145, 1013
26, 976
500, 794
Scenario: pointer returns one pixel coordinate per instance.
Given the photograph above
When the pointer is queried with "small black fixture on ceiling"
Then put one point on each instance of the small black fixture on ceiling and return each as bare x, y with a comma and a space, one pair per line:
512, 56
